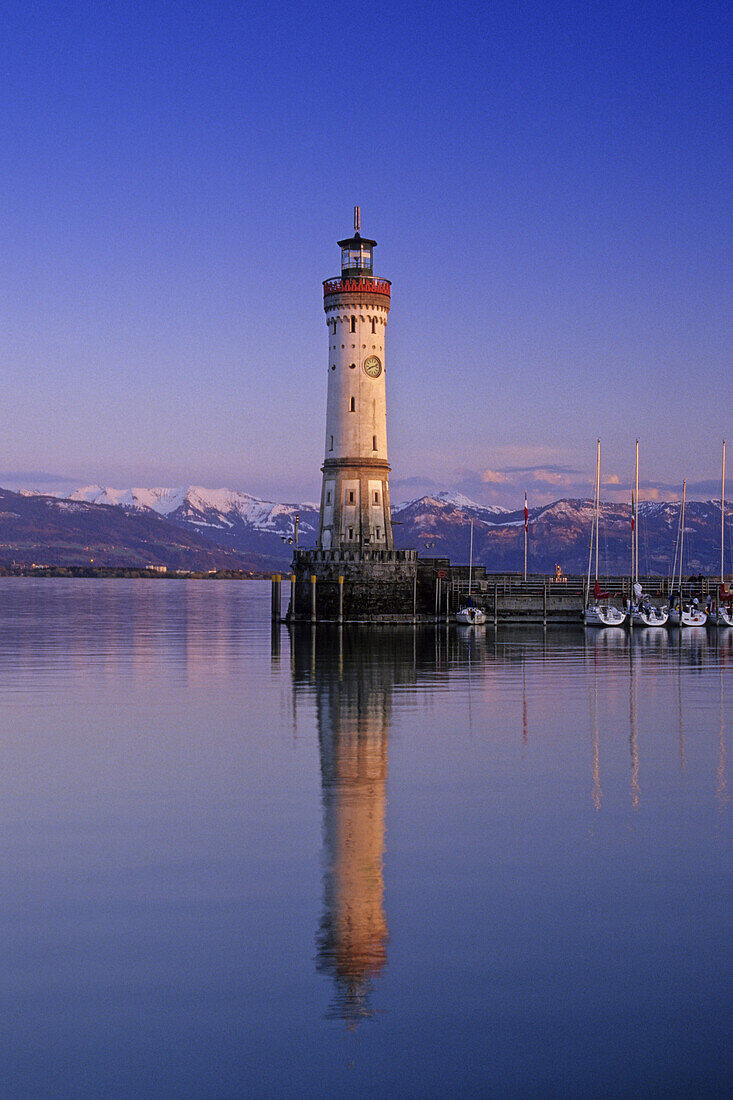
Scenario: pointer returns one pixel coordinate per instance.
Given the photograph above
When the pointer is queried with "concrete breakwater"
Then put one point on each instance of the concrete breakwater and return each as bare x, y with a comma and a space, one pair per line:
397, 586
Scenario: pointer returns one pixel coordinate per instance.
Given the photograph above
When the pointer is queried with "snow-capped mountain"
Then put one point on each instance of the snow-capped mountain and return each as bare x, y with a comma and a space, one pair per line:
432, 511
559, 535
227, 517
258, 531
35, 527
459, 500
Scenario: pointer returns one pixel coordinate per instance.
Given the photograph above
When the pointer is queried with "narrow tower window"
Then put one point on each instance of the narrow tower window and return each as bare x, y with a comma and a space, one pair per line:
328, 497
352, 405
351, 498
374, 442
353, 324
374, 324
351, 532
331, 447
376, 498
379, 533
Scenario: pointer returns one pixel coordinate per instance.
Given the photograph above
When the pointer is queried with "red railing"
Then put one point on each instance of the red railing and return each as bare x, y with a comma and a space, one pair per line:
349, 286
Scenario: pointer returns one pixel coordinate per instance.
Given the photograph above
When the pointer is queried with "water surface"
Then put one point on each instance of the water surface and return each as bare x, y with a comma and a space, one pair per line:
393, 861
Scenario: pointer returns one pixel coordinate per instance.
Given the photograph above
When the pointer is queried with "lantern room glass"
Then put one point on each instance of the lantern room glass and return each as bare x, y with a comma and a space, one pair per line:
356, 259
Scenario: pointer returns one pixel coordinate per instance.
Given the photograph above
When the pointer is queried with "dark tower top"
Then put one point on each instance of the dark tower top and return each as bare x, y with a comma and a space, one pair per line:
356, 257
356, 252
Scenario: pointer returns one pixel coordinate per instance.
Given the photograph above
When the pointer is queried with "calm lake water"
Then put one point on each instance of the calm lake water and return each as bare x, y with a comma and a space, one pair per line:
386, 862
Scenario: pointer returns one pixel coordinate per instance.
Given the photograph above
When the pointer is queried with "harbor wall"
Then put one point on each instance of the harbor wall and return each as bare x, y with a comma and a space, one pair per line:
397, 586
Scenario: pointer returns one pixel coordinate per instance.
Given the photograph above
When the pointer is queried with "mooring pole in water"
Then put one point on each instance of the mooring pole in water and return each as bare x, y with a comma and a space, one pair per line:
275, 643
341, 599
414, 597
313, 597
292, 596
276, 604
496, 605
544, 603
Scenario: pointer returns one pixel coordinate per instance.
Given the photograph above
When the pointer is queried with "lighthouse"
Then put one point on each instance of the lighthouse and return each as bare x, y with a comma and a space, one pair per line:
353, 572
355, 508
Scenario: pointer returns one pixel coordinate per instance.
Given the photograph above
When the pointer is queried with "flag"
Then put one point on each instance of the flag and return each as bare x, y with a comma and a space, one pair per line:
526, 514
633, 514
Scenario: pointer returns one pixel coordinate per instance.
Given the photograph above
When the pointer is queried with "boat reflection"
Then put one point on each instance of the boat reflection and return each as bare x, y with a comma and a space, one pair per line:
651, 639
609, 640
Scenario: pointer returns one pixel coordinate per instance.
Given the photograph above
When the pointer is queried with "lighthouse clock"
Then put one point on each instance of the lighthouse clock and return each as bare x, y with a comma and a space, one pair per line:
355, 510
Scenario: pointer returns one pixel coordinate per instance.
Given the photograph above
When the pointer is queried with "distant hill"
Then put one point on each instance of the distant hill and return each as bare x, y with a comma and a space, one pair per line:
198, 528
49, 531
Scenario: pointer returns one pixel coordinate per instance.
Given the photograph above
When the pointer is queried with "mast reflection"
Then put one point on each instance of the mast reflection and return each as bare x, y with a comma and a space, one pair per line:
352, 675
721, 781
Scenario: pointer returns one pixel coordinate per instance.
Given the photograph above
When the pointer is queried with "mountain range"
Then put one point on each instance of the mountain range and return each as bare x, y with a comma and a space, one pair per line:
42, 529
198, 528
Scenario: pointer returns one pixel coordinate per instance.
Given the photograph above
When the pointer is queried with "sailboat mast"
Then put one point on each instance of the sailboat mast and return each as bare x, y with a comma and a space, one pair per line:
682, 531
598, 498
676, 550
722, 521
632, 528
592, 532
636, 521
470, 561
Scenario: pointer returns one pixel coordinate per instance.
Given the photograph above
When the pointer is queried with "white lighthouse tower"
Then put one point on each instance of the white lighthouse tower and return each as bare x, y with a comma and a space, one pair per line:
355, 510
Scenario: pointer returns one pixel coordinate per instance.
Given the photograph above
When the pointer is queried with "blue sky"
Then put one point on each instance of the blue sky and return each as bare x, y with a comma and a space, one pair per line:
549, 184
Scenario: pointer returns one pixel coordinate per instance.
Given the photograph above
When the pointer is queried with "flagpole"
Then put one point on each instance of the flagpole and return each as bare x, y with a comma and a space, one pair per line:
526, 525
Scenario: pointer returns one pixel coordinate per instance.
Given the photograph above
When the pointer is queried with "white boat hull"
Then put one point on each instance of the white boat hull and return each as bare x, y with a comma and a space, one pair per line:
653, 616
687, 617
599, 614
720, 617
471, 616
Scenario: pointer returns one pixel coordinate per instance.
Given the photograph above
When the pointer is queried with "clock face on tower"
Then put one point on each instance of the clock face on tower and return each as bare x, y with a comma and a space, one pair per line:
372, 367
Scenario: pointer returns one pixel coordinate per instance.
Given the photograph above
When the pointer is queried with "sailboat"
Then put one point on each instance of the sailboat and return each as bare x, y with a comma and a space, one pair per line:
684, 614
598, 612
722, 614
468, 615
643, 612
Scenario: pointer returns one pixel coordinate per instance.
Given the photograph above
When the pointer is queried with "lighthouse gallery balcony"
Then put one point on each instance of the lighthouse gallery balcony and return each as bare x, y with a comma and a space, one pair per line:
360, 285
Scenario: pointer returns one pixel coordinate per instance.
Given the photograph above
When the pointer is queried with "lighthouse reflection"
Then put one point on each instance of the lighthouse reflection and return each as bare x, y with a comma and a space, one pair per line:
352, 681
510, 705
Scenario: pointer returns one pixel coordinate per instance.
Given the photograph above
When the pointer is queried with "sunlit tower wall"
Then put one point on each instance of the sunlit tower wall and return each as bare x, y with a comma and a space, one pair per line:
355, 507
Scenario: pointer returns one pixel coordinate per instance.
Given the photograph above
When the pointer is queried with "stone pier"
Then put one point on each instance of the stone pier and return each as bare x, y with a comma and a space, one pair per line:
377, 586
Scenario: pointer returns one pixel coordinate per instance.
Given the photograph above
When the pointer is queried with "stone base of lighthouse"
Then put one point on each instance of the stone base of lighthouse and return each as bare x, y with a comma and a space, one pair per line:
355, 507
375, 586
